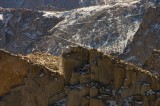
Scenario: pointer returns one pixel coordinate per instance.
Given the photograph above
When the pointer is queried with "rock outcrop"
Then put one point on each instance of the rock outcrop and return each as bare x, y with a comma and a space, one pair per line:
86, 78
109, 28
152, 63
26, 81
95, 79
146, 38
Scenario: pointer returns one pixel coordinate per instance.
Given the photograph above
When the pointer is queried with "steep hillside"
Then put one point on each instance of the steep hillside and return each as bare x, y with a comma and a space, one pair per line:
60, 4
146, 38
109, 28
20, 28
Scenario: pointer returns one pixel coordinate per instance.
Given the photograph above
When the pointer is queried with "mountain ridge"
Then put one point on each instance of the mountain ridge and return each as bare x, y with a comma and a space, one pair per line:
109, 28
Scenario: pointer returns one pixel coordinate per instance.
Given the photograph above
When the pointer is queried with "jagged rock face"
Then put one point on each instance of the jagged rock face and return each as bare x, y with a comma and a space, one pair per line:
95, 79
28, 83
109, 28
21, 28
10, 78
89, 78
146, 39
61, 4
152, 63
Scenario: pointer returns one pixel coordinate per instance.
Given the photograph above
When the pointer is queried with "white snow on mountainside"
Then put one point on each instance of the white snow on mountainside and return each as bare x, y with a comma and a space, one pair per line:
106, 27
109, 28
1, 16
61, 4
67, 4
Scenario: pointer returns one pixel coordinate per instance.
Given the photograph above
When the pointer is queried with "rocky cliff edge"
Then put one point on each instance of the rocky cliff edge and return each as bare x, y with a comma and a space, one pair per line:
26, 81
96, 79
86, 78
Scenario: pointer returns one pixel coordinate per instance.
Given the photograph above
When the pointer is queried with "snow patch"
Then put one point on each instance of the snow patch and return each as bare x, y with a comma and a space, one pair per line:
132, 30
1, 16
50, 14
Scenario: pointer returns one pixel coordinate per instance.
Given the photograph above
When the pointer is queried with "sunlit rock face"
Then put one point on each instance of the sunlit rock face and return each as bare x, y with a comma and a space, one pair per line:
96, 79
84, 77
27, 81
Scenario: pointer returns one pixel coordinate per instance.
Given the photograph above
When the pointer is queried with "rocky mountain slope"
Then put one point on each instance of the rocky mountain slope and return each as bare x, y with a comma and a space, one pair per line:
152, 63
146, 38
60, 4
83, 81
20, 28
81, 77
109, 28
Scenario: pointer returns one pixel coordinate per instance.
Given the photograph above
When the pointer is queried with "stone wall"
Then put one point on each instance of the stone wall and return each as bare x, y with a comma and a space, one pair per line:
95, 79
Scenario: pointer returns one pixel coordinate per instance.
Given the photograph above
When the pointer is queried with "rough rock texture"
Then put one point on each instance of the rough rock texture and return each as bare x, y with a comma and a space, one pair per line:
26, 82
89, 78
109, 28
21, 28
146, 38
152, 63
61, 4
107, 81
